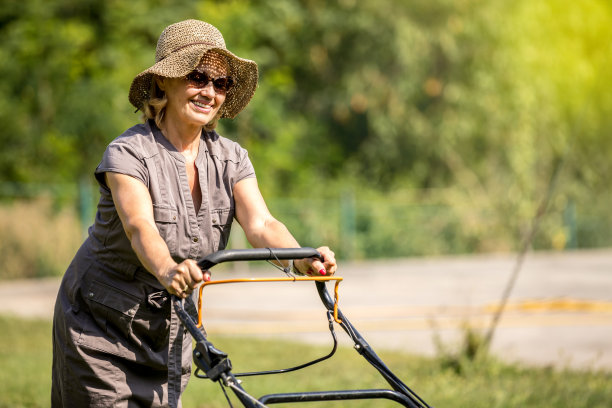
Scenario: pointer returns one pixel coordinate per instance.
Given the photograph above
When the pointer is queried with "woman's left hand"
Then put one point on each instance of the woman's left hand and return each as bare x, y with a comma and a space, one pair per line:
314, 267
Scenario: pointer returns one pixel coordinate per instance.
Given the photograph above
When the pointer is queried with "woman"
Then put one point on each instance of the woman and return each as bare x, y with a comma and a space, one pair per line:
169, 190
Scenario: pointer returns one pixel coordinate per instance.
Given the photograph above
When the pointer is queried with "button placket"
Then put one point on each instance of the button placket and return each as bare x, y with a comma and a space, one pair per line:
195, 224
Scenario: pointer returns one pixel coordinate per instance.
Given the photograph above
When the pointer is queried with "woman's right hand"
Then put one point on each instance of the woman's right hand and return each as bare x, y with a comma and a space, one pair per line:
181, 279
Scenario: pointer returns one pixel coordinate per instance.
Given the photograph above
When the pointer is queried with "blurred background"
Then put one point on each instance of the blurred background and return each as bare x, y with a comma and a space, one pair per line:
393, 131
384, 128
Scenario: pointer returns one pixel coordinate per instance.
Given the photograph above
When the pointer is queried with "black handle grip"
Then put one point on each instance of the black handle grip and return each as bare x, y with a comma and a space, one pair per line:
256, 254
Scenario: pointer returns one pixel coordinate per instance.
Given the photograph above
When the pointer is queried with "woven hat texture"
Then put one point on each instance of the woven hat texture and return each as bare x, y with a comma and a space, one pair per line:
179, 50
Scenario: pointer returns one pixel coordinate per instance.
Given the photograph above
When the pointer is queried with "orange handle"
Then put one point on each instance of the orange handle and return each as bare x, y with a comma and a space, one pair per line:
286, 279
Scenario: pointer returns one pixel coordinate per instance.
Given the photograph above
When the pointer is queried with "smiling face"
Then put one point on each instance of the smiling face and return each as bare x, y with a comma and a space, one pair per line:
193, 103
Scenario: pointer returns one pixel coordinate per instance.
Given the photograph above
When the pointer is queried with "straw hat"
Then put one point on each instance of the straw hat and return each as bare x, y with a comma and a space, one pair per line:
179, 50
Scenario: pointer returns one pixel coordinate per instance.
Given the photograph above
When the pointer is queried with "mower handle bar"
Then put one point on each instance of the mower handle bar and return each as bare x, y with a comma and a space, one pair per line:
257, 254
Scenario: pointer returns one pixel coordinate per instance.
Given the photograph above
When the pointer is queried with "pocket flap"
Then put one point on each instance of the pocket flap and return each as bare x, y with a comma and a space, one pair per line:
222, 216
165, 214
113, 298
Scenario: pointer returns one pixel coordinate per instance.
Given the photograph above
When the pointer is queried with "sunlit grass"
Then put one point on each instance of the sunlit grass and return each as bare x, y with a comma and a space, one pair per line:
25, 363
25, 376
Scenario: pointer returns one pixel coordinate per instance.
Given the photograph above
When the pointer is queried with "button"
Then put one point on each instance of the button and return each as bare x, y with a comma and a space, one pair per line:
215, 221
174, 218
90, 294
195, 239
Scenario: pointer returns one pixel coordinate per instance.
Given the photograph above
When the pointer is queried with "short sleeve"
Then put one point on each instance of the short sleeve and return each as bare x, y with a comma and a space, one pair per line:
123, 158
245, 168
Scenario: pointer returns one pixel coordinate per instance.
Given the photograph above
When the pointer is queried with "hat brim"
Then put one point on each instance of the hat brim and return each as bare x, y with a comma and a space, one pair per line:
180, 63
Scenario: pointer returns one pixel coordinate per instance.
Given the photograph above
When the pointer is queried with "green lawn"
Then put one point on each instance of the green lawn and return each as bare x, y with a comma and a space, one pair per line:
25, 361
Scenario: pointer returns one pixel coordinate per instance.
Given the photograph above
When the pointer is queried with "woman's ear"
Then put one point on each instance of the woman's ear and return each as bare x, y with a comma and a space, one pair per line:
160, 82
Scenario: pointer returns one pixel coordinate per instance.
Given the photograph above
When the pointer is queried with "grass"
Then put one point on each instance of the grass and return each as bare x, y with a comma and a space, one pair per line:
25, 361
25, 358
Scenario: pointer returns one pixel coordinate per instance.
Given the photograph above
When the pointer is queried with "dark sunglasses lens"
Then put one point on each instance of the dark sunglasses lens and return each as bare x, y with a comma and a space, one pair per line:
223, 83
200, 80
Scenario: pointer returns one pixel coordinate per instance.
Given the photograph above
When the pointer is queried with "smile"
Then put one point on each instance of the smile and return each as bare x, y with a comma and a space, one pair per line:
201, 105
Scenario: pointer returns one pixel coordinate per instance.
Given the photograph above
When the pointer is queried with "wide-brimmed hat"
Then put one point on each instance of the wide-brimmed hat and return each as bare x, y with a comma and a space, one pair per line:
179, 50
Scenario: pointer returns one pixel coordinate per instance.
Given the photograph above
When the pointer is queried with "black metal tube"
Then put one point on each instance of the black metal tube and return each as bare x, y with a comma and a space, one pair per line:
256, 254
336, 396
205, 354
363, 348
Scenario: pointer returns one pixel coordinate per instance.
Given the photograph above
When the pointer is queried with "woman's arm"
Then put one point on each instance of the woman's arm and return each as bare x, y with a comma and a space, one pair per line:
263, 230
135, 208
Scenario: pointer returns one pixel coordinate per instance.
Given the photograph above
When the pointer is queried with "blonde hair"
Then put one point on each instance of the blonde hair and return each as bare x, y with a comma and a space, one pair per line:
154, 107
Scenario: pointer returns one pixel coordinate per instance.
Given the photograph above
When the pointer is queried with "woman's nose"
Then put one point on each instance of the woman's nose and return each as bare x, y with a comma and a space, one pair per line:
208, 89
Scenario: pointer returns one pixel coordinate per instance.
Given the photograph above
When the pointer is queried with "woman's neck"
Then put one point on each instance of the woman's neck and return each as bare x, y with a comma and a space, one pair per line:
185, 138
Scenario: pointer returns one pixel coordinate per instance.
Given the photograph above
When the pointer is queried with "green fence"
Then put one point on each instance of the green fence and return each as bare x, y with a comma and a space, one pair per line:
383, 228
42, 225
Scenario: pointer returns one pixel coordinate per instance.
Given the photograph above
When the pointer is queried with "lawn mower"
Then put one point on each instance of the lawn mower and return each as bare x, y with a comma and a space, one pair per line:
215, 365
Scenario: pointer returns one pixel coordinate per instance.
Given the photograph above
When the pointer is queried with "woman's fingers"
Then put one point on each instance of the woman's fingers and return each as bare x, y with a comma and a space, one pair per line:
328, 266
318, 268
314, 267
184, 277
195, 274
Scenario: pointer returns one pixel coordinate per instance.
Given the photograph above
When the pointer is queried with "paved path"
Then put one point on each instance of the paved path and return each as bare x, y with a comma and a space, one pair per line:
560, 312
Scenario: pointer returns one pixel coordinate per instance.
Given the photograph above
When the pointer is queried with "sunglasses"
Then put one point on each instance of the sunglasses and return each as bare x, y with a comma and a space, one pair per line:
200, 80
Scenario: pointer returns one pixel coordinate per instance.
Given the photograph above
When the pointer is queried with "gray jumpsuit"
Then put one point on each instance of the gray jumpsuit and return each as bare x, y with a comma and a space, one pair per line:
116, 339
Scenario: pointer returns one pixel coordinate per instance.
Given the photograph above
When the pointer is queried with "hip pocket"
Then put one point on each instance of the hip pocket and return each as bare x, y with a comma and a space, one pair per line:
112, 309
151, 324
127, 321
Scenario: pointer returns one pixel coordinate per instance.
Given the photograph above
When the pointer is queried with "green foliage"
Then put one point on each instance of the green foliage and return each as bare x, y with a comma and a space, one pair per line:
475, 100
67, 67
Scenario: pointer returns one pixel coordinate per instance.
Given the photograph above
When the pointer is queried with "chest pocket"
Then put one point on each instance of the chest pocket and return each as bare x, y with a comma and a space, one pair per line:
166, 219
222, 224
